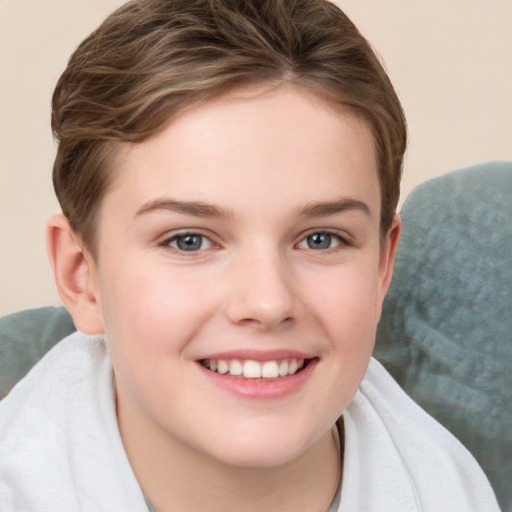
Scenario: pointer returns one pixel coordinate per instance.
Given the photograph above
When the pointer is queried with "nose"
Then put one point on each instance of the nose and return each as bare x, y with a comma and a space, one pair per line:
263, 293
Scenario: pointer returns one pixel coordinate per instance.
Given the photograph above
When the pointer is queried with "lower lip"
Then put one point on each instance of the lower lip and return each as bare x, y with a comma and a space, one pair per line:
259, 388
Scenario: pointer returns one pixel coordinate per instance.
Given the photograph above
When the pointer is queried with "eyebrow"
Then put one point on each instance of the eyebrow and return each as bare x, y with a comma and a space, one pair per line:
194, 208
327, 208
202, 209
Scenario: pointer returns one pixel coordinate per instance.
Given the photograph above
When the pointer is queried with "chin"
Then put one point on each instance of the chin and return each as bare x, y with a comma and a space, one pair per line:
261, 448
255, 457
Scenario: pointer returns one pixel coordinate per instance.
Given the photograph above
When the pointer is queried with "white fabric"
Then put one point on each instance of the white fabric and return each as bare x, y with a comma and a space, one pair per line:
399, 459
60, 448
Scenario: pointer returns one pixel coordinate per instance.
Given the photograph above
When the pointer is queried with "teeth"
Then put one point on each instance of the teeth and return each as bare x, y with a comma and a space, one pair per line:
270, 370
222, 367
253, 369
235, 367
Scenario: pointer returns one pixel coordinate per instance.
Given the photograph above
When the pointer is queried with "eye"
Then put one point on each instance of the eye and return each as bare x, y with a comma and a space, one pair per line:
189, 242
320, 241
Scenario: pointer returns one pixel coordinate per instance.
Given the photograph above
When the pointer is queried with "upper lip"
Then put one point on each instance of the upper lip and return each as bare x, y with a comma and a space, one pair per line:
258, 355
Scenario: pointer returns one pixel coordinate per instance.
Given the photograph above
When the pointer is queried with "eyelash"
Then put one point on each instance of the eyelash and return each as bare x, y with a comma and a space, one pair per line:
333, 236
182, 235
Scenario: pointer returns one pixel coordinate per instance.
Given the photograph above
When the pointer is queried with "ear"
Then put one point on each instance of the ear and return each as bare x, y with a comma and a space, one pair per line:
387, 260
75, 274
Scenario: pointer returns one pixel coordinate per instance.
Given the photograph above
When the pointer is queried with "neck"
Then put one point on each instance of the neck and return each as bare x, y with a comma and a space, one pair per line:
174, 476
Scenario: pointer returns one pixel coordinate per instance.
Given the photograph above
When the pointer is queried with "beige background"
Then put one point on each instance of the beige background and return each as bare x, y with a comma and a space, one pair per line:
450, 60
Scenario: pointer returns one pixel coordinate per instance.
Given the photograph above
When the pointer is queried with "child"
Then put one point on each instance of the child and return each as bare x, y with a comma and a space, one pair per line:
228, 172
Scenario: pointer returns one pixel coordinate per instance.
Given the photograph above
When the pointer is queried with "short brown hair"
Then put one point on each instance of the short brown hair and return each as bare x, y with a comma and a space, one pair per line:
152, 59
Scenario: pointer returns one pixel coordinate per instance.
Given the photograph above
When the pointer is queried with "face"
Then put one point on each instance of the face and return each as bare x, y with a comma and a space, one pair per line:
240, 275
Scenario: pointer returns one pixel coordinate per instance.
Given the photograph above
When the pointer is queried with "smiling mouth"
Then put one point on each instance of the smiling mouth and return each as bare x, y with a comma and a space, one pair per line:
250, 369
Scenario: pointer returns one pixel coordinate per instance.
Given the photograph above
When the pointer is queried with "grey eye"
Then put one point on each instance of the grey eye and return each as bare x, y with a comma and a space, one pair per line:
190, 242
319, 241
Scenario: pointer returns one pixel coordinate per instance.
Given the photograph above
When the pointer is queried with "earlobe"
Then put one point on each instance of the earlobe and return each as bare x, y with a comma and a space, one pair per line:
75, 275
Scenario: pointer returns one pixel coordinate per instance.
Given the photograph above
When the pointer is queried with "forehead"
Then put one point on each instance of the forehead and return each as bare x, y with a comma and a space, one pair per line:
283, 141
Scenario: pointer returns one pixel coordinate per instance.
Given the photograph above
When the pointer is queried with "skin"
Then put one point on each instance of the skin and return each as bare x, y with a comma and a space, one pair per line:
273, 167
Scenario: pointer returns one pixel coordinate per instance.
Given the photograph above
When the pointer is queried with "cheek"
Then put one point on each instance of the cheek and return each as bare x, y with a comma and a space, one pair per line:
345, 312
153, 308
347, 302
151, 315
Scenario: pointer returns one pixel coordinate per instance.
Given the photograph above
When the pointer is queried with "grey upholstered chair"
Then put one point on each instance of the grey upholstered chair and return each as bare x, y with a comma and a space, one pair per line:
446, 329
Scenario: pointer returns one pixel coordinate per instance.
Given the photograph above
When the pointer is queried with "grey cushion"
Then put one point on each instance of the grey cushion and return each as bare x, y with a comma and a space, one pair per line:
25, 337
446, 329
